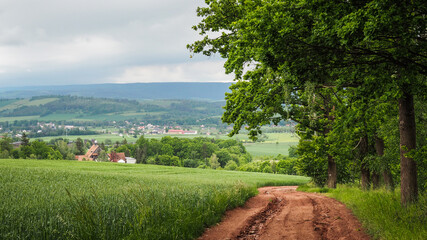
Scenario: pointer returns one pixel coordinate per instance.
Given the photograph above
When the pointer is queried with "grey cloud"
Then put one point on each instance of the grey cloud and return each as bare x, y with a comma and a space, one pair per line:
93, 40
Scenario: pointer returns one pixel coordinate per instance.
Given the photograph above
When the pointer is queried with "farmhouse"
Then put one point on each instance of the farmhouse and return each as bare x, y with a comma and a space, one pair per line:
117, 157
91, 155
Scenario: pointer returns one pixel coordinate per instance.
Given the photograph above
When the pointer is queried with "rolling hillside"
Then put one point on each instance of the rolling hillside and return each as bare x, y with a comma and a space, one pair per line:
107, 109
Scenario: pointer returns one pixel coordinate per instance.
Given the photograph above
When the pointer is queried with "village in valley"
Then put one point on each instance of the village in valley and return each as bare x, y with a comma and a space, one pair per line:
117, 130
70, 125
116, 141
41, 129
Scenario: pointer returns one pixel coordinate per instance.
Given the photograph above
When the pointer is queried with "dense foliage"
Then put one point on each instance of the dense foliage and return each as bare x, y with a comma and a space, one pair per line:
330, 66
55, 150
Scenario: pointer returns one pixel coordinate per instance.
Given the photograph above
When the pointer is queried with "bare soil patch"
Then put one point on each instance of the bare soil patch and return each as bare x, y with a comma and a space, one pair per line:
283, 213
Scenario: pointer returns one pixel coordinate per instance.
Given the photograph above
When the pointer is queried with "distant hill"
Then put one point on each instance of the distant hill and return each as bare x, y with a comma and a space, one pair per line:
75, 108
136, 91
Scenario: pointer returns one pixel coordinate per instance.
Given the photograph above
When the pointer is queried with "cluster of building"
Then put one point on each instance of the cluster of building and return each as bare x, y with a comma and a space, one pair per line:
177, 131
93, 154
123, 128
40, 128
53, 126
154, 129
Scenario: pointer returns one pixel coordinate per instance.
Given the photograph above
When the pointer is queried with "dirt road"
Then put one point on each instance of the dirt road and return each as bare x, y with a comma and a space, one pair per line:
283, 213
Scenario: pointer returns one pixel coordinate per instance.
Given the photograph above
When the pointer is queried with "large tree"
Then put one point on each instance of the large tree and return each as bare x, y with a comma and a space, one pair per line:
280, 44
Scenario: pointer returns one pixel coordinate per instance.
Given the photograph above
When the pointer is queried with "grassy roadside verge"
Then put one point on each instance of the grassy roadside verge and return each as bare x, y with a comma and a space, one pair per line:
380, 211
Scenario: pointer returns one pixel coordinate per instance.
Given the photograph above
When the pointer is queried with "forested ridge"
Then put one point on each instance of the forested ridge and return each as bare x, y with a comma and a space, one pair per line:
154, 111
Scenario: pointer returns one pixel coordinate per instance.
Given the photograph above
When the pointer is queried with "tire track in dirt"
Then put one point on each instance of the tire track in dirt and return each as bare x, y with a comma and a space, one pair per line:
283, 213
256, 223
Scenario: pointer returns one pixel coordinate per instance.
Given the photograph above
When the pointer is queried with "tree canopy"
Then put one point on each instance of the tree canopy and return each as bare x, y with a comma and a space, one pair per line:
278, 49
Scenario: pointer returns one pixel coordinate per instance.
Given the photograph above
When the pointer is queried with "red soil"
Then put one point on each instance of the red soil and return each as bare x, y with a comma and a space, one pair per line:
283, 213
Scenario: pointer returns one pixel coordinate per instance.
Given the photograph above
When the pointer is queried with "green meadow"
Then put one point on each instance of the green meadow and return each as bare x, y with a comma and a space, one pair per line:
275, 144
88, 200
268, 149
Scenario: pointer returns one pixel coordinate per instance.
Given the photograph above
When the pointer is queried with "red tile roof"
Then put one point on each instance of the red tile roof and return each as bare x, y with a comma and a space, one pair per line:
115, 157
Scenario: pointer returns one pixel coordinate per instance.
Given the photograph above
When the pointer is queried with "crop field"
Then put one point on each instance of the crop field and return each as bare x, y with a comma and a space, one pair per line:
50, 117
268, 149
84, 117
281, 138
11, 119
275, 144
115, 116
58, 117
5, 102
88, 200
26, 102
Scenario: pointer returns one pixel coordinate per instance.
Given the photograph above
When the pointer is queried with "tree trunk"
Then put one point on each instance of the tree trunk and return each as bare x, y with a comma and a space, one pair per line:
366, 178
388, 178
375, 180
375, 174
332, 172
332, 165
364, 170
408, 167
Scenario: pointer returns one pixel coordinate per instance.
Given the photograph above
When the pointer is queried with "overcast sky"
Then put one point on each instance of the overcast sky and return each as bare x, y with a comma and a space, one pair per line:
63, 42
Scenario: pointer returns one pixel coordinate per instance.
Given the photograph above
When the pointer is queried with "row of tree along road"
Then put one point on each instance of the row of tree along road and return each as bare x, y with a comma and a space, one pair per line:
351, 73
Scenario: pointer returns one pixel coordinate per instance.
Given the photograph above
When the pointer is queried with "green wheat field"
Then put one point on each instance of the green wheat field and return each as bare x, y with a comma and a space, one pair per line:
89, 200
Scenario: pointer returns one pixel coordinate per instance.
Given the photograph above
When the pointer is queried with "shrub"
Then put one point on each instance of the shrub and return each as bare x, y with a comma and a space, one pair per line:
231, 165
